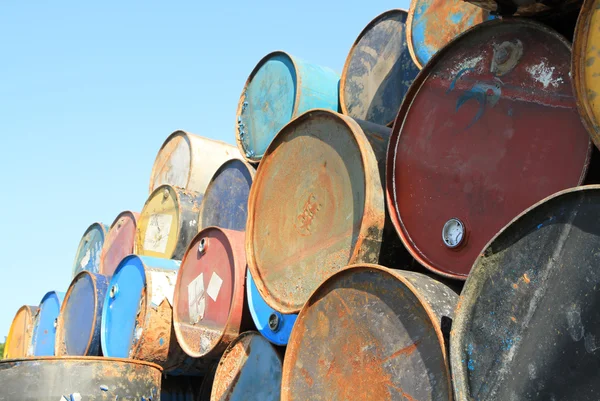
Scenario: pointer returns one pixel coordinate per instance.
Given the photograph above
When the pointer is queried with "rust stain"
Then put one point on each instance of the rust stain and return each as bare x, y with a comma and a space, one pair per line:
513, 319
307, 377
404, 351
402, 393
309, 212
515, 286
526, 278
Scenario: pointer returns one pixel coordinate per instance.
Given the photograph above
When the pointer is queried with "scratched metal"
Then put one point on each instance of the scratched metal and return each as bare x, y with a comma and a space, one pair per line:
79, 379
527, 8
371, 333
279, 89
89, 249
78, 326
20, 332
209, 306
432, 24
189, 161
225, 202
180, 388
489, 129
44, 324
167, 223
528, 320
250, 370
378, 70
119, 242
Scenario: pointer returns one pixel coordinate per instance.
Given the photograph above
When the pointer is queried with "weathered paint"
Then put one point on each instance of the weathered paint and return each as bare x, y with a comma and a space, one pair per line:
250, 370
432, 24
371, 333
119, 242
528, 324
274, 326
78, 326
189, 161
79, 379
527, 8
209, 310
89, 249
279, 89
168, 222
482, 136
20, 332
225, 202
180, 388
44, 326
316, 205
378, 70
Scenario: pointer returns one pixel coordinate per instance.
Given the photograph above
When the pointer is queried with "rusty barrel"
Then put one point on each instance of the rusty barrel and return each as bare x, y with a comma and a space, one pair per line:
527, 8
168, 222
378, 70
316, 205
225, 202
488, 129
250, 370
78, 327
119, 242
188, 161
78, 378
90, 248
371, 333
279, 89
528, 324
45, 322
209, 310
19, 336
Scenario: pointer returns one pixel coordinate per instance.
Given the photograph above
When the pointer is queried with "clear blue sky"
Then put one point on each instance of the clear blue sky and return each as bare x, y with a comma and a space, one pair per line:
90, 90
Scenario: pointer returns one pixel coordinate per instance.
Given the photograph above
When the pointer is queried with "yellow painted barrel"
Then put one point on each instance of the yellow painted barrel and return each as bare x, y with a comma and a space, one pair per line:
19, 335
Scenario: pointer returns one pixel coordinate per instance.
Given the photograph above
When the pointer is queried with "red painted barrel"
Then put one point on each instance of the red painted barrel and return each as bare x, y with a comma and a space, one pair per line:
489, 128
119, 242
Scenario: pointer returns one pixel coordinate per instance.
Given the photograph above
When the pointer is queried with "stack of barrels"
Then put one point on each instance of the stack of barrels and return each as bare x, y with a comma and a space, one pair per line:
415, 229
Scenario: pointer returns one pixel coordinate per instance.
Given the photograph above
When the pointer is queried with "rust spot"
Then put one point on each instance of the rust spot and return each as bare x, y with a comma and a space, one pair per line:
306, 376
513, 319
526, 278
404, 351
515, 286
402, 393
309, 211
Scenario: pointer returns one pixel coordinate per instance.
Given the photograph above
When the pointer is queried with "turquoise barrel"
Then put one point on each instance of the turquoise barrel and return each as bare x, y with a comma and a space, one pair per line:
279, 89
44, 329
90, 249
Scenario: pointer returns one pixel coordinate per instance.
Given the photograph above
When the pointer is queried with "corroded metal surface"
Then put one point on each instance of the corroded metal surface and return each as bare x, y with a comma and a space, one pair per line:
316, 205
250, 370
189, 161
78, 378
378, 70
20, 332
528, 321
168, 222
371, 333
527, 8
119, 242
488, 129
78, 325
44, 324
90, 248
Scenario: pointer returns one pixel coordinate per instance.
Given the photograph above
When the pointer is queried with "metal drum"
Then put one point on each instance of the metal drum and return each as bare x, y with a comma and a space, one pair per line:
167, 223
432, 24
528, 324
316, 205
209, 310
78, 379
45, 322
20, 332
489, 128
89, 249
274, 326
78, 330
119, 242
250, 370
225, 202
279, 89
189, 161
378, 70
527, 8
371, 333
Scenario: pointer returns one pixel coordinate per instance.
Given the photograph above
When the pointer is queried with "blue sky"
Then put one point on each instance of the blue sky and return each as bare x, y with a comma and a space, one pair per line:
90, 90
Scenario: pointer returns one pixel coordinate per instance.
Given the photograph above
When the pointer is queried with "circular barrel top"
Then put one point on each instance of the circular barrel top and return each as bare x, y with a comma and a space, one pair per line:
20, 332
119, 242
490, 128
90, 248
44, 329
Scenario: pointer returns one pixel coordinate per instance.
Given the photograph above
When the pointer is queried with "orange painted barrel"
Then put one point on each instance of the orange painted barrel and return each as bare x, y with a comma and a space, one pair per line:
20, 332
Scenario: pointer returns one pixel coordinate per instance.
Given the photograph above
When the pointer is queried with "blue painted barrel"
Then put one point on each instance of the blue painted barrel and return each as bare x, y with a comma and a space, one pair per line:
279, 89
274, 326
44, 329
90, 248
225, 203
78, 331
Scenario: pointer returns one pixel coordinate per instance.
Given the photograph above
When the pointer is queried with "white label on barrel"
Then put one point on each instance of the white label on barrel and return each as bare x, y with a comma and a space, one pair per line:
163, 287
197, 299
86, 259
157, 232
214, 286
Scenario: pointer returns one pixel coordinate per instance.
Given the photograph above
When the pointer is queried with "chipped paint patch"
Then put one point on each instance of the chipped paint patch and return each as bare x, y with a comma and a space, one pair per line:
543, 74
468, 63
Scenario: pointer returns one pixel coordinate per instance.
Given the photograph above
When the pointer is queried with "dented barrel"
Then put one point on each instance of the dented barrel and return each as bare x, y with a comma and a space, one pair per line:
378, 70
527, 8
45, 322
528, 324
279, 89
119, 242
89, 249
488, 129
371, 333
19, 336
78, 329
